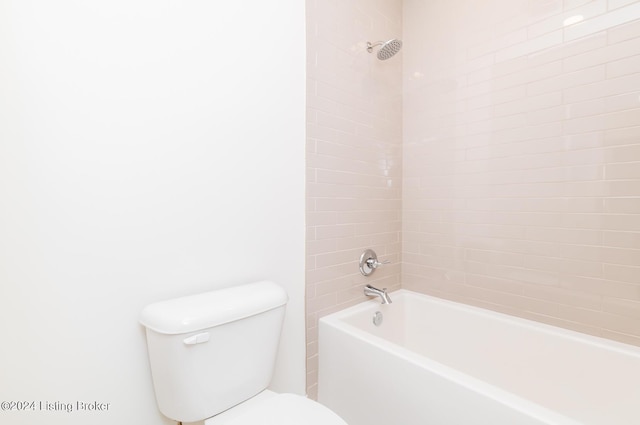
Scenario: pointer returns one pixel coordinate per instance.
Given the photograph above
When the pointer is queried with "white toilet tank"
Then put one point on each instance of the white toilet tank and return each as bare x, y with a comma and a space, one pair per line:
211, 351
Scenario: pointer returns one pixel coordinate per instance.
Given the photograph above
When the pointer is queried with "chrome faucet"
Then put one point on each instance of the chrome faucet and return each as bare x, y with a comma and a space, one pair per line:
370, 291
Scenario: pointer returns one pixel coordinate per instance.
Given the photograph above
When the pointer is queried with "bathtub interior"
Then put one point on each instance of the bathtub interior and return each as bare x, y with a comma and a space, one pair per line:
587, 378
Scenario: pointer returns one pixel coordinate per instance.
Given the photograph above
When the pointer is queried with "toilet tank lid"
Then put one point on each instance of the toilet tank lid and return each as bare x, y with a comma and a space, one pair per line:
209, 309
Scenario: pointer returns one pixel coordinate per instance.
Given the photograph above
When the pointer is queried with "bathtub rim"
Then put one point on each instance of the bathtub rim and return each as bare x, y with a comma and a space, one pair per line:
620, 347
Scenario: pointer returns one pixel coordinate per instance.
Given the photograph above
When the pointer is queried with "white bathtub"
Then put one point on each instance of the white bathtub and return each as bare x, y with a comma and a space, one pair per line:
435, 362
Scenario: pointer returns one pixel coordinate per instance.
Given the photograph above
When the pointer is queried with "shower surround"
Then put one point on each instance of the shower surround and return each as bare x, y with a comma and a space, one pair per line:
521, 188
514, 127
354, 156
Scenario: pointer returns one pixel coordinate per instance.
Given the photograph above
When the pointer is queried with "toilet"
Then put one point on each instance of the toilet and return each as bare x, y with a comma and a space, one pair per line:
212, 357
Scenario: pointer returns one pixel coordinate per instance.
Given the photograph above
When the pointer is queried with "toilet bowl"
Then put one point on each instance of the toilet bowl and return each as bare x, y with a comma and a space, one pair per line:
269, 408
212, 357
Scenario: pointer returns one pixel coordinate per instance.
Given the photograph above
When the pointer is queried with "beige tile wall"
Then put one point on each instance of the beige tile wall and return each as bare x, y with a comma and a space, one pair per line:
521, 161
354, 155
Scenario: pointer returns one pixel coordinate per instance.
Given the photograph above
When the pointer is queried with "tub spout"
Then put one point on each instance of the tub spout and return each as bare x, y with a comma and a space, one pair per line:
370, 291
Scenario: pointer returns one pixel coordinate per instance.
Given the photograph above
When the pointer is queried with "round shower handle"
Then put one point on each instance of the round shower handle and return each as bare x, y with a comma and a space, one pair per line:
369, 262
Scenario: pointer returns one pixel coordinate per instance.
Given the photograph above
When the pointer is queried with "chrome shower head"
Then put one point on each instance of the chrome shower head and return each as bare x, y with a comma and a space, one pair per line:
389, 48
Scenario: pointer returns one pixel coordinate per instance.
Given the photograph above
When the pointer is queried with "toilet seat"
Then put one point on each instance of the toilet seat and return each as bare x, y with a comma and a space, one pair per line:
277, 409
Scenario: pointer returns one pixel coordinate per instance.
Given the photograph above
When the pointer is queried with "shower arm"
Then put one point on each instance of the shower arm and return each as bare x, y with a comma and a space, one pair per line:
370, 45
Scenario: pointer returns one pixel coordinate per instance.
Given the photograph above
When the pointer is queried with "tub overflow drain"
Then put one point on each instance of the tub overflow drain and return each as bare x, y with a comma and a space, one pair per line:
377, 318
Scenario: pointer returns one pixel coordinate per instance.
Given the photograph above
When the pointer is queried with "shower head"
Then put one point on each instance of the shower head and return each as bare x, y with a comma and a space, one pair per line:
389, 48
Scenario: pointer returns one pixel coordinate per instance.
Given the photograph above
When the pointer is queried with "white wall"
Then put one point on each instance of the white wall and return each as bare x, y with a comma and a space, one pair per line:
148, 150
